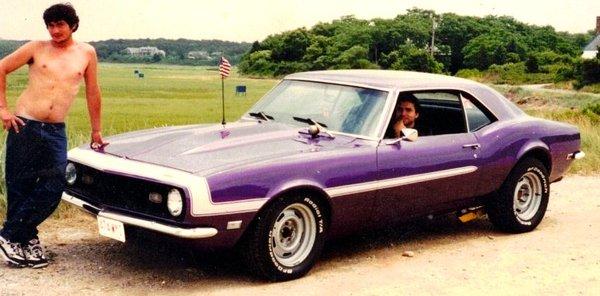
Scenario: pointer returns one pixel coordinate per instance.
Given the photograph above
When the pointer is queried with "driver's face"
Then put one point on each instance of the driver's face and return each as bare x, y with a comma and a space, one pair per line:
406, 111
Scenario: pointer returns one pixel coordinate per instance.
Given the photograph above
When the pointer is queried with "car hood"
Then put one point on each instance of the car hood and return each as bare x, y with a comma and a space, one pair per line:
205, 149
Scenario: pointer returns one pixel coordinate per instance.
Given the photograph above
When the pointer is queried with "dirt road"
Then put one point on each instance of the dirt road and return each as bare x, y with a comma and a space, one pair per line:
561, 257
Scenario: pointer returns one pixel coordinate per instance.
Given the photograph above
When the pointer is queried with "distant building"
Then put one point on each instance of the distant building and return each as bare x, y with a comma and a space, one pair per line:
144, 51
591, 50
198, 55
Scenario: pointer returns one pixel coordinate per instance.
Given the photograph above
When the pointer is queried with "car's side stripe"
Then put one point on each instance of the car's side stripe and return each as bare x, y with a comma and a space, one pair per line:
395, 182
197, 187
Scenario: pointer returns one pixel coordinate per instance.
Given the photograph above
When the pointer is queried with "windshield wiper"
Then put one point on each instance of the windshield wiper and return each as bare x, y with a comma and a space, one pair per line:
322, 128
261, 115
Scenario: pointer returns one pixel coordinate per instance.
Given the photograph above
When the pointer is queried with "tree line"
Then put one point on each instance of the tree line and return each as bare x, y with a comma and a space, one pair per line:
469, 44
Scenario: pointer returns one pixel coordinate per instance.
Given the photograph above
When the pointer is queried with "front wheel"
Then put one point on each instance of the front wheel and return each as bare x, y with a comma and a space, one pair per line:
522, 200
287, 238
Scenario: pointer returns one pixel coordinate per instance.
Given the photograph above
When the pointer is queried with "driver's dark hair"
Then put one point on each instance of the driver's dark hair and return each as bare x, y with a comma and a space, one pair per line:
62, 12
408, 97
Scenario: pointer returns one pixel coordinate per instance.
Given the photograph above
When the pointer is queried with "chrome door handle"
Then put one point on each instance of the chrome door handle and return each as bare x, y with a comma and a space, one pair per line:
472, 146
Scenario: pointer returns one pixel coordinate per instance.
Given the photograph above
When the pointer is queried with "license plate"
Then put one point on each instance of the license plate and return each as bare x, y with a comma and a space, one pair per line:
111, 228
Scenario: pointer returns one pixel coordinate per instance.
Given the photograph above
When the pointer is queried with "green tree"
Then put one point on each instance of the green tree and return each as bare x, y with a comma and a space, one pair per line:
410, 57
532, 63
355, 57
258, 62
587, 71
492, 48
291, 46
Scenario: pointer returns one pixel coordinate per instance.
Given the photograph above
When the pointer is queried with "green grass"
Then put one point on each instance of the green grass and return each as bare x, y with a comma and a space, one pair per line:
593, 88
172, 95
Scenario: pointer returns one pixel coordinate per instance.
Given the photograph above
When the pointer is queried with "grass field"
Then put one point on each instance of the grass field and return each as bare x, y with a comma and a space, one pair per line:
172, 95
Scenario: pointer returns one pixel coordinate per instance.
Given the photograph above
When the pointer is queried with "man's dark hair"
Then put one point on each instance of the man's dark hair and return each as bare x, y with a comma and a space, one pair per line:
62, 12
408, 97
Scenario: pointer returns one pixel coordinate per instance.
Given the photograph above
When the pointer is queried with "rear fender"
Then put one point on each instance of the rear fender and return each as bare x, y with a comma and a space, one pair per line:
538, 149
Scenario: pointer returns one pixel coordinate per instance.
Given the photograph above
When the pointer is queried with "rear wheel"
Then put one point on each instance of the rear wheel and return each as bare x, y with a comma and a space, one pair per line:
522, 200
286, 239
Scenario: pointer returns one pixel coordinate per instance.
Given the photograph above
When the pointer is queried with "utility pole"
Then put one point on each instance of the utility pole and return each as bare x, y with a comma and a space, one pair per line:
433, 27
372, 25
435, 21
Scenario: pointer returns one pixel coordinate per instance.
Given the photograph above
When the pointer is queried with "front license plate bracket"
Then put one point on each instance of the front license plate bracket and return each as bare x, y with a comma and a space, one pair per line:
111, 228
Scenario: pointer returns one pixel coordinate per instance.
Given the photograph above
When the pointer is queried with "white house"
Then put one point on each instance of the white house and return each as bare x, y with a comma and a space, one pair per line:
591, 50
198, 54
144, 51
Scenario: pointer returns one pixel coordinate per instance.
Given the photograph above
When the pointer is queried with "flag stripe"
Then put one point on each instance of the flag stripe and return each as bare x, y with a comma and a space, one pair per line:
224, 67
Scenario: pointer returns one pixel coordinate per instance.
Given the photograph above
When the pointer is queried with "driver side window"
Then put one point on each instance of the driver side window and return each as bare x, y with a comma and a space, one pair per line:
438, 113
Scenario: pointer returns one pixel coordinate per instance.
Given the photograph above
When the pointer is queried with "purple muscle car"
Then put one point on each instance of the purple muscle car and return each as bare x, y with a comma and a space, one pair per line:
313, 159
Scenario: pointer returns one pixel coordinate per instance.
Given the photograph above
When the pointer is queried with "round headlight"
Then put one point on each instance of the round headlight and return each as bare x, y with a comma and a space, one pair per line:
71, 173
174, 202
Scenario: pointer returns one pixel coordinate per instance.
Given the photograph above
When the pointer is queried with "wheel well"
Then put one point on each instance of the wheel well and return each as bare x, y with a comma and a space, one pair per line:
317, 192
541, 155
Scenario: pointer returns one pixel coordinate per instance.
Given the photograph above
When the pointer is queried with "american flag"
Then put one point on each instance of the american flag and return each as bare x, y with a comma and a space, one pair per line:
224, 67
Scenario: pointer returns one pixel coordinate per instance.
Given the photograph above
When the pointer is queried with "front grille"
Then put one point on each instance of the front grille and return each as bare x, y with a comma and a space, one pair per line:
120, 192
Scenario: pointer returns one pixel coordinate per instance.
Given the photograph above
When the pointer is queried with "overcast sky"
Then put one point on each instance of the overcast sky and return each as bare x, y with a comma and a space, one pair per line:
249, 20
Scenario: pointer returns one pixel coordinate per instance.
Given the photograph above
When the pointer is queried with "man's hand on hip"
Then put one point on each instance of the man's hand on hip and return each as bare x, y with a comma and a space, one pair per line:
9, 120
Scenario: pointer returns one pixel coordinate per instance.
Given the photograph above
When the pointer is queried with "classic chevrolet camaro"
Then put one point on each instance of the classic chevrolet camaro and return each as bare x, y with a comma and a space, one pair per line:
314, 159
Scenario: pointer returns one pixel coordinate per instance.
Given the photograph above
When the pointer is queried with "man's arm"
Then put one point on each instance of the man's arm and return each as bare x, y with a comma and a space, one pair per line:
8, 64
94, 100
398, 126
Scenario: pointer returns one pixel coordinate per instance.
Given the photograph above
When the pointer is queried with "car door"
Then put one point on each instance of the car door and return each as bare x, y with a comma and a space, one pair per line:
434, 171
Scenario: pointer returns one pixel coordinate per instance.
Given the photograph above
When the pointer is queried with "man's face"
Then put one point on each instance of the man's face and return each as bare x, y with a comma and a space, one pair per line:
406, 111
59, 31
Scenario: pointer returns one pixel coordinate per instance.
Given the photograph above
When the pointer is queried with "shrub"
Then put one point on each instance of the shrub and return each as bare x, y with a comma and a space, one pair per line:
564, 73
532, 63
470, 74
587, 72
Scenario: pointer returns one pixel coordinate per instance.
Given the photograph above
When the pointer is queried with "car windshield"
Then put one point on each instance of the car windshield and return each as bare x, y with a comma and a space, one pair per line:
340, 108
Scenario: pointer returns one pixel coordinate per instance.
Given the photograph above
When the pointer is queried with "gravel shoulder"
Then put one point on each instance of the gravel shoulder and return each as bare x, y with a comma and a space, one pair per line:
561, 257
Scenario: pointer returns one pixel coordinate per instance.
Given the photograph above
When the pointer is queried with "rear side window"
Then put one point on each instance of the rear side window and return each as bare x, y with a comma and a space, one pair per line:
477, 115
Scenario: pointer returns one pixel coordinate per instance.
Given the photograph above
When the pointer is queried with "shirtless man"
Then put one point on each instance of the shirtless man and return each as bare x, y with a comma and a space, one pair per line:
36, 145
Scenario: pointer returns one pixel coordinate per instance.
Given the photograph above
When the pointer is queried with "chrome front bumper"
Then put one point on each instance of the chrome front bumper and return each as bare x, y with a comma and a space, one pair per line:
193, 233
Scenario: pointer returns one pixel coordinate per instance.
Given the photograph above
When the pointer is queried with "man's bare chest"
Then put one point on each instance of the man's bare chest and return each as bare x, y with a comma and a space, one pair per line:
63, 67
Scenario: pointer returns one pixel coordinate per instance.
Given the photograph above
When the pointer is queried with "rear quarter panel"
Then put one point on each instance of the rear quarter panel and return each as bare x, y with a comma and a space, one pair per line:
504, 143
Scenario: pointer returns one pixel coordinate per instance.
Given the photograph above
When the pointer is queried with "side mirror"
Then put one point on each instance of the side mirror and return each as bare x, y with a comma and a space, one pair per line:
410, 134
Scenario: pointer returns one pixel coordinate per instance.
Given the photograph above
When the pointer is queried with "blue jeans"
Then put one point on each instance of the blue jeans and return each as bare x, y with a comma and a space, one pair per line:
36, 159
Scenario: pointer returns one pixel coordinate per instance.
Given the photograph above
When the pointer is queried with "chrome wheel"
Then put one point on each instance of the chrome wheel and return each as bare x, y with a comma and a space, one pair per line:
293, 234
527, 196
